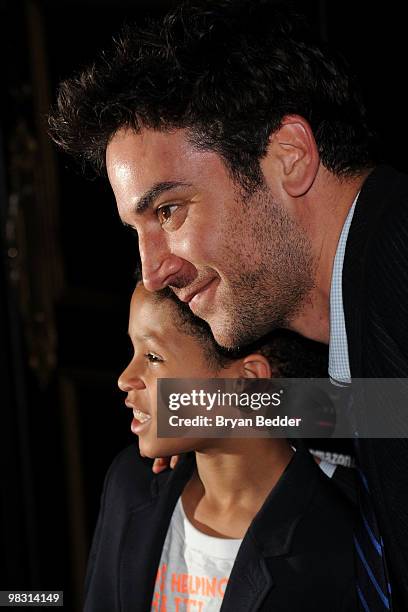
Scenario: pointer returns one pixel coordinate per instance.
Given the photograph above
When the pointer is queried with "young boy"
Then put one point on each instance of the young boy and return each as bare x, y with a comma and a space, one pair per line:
220, 531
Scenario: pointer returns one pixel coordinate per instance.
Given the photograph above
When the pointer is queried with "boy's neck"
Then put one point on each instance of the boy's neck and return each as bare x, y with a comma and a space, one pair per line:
231, 483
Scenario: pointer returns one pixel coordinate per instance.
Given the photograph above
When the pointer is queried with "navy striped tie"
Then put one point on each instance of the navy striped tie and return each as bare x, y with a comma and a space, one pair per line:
373, 586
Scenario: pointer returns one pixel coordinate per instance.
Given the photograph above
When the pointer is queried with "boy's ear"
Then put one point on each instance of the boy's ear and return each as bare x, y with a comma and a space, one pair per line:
255, 366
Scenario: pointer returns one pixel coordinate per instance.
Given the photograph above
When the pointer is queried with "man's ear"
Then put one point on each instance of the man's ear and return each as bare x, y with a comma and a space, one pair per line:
293, 155
255, 366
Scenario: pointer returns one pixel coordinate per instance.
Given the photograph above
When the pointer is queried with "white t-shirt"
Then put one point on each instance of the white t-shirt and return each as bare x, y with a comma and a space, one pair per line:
194, 568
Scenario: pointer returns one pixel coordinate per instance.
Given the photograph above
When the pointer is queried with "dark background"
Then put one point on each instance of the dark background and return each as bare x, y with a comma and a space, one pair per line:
67, 272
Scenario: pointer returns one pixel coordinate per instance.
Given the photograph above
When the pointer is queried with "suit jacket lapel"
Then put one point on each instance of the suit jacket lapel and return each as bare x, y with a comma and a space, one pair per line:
270, 535
374, 196
144, 536
250, 580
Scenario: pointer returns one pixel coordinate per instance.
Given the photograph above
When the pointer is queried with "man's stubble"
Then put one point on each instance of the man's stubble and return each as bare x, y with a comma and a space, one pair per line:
269, 274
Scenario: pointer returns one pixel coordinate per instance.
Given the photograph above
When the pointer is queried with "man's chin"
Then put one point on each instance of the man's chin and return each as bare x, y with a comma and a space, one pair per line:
224, 336
232, 338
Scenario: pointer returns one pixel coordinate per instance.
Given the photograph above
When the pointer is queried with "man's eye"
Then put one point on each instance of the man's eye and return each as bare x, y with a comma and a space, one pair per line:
153, 358
164, 213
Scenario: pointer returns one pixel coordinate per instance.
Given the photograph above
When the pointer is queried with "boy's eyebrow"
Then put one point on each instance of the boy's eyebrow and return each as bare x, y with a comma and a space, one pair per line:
147, 336
147, 199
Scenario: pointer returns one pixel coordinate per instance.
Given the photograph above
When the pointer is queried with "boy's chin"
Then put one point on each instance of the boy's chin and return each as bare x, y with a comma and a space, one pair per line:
152, 451
155, 450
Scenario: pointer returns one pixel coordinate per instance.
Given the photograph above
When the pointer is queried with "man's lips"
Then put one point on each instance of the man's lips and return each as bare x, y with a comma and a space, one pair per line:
187, 297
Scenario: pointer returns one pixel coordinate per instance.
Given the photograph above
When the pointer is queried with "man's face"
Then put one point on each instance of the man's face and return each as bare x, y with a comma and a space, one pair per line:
241, 262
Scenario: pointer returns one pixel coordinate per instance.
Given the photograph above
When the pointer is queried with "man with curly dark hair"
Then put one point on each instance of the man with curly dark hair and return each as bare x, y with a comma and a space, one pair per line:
237, 147
209, 87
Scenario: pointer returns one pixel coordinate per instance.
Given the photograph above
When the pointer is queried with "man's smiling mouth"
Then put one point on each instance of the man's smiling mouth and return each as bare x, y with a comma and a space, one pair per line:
189, 296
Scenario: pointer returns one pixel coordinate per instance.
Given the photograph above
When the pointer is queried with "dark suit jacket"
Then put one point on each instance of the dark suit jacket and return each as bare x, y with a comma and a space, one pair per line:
375, 295
297, 555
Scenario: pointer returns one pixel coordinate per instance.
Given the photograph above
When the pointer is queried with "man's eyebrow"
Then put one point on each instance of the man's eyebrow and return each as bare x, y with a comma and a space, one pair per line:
148, 198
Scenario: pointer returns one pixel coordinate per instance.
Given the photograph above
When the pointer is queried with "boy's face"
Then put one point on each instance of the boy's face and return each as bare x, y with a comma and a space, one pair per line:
160, 351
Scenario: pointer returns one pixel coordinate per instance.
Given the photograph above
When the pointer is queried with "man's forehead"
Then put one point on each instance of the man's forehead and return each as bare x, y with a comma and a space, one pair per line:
150, 157
136, 162
148, 145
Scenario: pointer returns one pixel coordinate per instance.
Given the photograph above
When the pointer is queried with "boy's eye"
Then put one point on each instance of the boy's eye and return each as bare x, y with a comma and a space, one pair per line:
153, 358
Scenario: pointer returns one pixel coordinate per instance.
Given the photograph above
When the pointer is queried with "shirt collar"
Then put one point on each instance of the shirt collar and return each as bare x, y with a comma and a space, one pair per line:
339, 365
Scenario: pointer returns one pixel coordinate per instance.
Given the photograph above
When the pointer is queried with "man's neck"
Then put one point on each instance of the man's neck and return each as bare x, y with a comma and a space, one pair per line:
327, 205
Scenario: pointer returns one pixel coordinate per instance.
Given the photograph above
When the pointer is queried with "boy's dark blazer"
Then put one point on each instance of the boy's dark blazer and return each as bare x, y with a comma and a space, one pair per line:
297, 555
375, 297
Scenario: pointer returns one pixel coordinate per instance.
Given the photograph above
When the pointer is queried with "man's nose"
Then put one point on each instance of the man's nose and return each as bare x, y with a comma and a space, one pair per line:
159, 265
